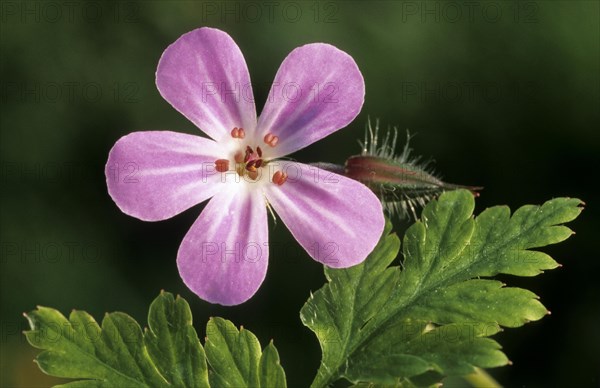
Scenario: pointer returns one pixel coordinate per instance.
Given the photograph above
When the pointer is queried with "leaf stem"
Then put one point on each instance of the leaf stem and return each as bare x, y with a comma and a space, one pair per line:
481, 379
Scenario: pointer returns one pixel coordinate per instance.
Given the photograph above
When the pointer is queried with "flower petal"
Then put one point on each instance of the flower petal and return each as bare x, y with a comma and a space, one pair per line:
318, 89
158, 174
337, 220
205, 77
224, 256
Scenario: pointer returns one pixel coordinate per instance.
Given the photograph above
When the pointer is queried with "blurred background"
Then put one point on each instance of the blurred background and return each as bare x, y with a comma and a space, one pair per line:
502, 94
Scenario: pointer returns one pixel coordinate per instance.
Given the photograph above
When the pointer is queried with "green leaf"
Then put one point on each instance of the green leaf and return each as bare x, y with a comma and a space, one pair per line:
236, 359
385, 324
173, 344
271, 372
167, 354
113, 355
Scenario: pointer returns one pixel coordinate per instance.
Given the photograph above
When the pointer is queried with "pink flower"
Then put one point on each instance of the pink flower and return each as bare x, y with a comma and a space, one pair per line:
156, 175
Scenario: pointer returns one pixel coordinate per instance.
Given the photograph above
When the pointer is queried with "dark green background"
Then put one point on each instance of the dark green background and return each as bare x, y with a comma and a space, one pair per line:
502, 94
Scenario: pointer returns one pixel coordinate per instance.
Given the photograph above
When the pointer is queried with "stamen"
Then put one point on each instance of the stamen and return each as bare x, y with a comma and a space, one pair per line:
239, 157
238, 133
279, 178
249, 153
251, 165
222, 165
271, 139
248, 162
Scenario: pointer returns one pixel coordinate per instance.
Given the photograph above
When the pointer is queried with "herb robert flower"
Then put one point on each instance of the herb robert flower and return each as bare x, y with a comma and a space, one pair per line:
156, 175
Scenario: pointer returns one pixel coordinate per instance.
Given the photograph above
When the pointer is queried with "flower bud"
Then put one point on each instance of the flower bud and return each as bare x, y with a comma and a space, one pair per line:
400, 185
402, 182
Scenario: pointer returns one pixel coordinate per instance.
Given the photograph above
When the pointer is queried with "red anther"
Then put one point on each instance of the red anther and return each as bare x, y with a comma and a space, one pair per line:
258, 163
238, 133
222, 165
249, 153
253, 174
259, 152
279, 178
271, 139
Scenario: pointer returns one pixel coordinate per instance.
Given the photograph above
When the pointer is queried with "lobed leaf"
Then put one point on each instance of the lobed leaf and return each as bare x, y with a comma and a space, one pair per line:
113, 355
382, 324
167, 354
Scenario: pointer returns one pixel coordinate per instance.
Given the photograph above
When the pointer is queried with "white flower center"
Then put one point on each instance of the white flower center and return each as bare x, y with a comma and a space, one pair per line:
249, 163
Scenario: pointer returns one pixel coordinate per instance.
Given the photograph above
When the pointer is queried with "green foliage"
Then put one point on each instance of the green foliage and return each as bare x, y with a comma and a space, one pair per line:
433, 314
378, 325
167, 354
236, 359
